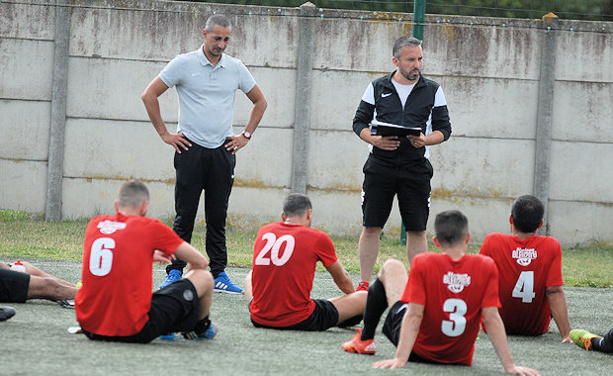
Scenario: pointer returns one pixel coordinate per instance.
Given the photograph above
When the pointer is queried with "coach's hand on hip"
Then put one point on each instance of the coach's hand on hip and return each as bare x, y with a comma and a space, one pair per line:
177, 141
236, 143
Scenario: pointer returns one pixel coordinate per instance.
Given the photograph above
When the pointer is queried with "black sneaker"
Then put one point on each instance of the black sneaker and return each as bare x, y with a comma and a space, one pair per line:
6, 313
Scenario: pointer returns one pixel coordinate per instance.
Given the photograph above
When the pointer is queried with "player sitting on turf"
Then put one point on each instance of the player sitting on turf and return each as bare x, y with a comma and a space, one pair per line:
284, 260
436, 319
33, 283
587, 340
530, 267
115, 302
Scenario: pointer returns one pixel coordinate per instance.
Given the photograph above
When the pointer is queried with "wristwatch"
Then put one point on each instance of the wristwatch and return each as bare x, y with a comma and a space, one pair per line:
247, 135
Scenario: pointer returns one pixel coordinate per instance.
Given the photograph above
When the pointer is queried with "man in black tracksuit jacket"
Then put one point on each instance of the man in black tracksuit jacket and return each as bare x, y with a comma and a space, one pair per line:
399, 165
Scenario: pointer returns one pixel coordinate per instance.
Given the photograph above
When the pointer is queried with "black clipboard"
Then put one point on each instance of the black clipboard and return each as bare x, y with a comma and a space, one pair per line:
379, 128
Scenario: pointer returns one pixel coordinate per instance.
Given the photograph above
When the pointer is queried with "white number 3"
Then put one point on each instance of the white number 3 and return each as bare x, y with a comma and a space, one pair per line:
456, 324
273, 245
101, 256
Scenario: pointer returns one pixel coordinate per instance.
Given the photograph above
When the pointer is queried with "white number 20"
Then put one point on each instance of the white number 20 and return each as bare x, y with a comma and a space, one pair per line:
524, 288
101, 256
273, 245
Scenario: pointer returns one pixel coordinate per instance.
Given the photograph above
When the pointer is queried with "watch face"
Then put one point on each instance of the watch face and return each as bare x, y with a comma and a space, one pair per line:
247, 134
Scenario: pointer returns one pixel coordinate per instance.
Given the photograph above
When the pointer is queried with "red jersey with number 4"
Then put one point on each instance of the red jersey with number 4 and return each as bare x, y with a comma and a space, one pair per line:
284, 260
526, 268
117, 272
453, 294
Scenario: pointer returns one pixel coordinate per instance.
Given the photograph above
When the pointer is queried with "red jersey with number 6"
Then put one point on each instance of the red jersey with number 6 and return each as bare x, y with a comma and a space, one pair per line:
117, 272
526, 268
284, 260
453, 294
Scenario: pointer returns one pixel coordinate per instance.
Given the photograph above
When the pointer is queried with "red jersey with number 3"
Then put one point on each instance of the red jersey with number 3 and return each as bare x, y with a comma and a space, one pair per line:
284, 260
117, 272
527, 267
453, 294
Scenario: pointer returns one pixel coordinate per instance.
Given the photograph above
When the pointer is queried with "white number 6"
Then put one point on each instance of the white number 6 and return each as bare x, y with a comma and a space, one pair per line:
101, 256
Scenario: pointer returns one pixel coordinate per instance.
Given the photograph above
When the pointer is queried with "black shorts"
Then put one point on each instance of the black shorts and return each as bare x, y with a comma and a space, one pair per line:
14, 286
412, 186
324, 316
391, 329
175, 308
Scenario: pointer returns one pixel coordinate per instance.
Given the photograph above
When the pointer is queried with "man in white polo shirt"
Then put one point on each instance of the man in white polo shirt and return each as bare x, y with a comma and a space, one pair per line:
205, 144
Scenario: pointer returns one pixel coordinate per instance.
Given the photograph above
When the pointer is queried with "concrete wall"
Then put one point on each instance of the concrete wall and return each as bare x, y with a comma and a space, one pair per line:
488, 68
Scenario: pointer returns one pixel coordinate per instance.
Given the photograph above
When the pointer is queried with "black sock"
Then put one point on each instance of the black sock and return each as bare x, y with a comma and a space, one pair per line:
202, 325
376, 304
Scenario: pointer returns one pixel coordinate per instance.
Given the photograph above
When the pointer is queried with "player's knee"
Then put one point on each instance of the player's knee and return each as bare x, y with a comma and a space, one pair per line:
392, 266
202, 280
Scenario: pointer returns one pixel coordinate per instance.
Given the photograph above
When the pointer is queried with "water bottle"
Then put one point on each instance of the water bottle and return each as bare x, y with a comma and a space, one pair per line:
18, 266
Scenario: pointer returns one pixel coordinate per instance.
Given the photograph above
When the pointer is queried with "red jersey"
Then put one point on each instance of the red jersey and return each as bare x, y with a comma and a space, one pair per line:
526, 268
117, 272
453, 294
284, 260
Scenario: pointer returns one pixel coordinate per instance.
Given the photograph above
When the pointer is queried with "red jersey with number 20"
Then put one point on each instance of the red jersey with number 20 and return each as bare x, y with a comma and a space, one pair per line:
453, 294
117, 272
527, 267
284, 260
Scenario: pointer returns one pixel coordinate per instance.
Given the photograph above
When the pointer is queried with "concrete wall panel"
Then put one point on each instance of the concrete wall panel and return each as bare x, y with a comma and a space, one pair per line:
25, 130
580, 223
111, 89
476, 167
132, 150
26, 69
266, 161
16, 20
85, 198
279, 87
334, 159
493, 52
23, 185
581, 172
583, 112
592, 52
491, 108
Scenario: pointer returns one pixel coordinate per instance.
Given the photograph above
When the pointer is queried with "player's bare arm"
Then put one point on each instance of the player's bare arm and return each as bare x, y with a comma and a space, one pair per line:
150, 96
408, 334
495, 330
162, 258
559, 311
341, 277
256, 97
188, 253
382, 142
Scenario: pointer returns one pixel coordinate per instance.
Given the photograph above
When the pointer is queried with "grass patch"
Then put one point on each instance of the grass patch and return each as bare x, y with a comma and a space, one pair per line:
27, 238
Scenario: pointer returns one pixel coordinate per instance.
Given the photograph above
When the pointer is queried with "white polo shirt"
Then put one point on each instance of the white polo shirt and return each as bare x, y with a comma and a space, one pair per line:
206, 95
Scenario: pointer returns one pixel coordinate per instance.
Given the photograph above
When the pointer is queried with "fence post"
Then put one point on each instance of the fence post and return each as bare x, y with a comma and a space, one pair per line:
302, 117
542, 162
59, 89
419, 16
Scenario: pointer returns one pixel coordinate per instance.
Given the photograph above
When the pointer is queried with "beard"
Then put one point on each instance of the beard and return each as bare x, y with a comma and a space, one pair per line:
412, 75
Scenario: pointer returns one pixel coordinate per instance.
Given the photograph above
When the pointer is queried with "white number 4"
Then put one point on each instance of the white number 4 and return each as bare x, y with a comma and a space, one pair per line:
524, 288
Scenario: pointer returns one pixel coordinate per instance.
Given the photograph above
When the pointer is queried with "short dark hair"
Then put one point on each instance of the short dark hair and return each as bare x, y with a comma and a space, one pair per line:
404, 41
527, 213
216, 19
132, 194
296, 204
451, 227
